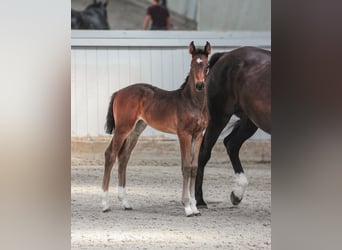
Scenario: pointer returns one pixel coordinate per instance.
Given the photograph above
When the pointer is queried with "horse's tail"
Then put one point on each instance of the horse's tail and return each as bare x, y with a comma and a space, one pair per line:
110, 123
214, 58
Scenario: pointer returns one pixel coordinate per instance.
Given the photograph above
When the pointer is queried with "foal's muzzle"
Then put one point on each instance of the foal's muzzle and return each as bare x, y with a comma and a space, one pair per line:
199, 86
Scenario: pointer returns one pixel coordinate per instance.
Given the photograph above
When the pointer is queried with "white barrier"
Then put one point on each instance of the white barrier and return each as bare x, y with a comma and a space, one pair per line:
105, 61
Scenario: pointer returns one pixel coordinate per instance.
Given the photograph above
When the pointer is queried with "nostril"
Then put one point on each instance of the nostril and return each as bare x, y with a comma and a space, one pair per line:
199, 86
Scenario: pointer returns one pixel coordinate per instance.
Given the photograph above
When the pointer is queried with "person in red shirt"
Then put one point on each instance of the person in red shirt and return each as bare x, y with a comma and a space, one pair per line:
159, 15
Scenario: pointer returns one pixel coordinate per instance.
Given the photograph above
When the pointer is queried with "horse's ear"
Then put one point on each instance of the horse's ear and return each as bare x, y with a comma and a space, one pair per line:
207, 48
192, 48
106, 3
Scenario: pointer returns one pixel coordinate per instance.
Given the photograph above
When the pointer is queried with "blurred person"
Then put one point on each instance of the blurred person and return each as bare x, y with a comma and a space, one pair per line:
159, 15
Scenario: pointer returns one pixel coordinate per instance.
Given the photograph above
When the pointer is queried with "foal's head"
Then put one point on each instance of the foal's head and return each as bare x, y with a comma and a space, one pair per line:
199, 64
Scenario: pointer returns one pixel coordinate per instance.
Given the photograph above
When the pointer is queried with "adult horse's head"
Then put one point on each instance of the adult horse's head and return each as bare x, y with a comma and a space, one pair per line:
199, 65
93, 17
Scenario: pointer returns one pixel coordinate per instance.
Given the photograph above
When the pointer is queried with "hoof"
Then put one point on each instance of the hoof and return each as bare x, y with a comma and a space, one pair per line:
201, 204
106, 210
197, 214
234, 199
128, 208
190, 215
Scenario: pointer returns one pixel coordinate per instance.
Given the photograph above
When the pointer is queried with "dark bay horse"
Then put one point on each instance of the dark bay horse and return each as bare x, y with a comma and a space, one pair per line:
93, 17
239, 83
182, 112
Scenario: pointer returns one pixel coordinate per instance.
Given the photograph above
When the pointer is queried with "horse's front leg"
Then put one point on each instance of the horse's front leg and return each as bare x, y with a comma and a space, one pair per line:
185, 146
196, 144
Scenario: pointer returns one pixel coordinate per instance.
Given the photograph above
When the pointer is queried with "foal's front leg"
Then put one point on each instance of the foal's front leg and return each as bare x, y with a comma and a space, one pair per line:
196, 144
185, 146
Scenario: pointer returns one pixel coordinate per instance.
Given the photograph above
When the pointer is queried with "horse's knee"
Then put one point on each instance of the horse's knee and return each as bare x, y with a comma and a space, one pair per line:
109, 158
186, 171
123, 158
108, 154
194, 171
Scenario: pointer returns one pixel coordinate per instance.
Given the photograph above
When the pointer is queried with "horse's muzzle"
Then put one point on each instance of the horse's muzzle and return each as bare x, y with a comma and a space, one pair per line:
199, 86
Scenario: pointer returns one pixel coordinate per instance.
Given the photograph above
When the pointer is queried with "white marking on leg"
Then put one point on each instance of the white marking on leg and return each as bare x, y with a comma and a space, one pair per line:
240, 185
105, 201
188, 210
193, 206
122, 198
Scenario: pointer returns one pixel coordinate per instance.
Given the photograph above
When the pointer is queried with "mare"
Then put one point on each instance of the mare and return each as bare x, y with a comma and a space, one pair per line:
93, 17
182, 112
239, 83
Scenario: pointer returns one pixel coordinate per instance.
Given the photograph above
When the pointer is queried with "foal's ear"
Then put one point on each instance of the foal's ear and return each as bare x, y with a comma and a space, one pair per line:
192, 48
207, 48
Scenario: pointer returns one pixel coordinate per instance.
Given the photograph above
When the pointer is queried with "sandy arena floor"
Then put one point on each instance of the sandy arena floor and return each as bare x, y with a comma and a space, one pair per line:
157, 220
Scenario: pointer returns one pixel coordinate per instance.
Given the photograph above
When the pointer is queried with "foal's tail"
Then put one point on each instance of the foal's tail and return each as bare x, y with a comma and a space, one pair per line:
110, 123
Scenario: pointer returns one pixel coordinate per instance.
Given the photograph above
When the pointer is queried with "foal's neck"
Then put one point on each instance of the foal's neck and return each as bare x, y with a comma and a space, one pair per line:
197, 97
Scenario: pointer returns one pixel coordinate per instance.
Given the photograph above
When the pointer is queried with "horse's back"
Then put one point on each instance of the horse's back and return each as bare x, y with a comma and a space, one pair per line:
141, 90
255, 86
241, 79
134, 93
149, 103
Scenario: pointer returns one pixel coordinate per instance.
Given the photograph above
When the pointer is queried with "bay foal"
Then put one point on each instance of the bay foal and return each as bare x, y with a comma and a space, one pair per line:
182, 112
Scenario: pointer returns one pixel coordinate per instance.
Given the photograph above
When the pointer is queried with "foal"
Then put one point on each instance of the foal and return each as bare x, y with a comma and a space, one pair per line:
182, 112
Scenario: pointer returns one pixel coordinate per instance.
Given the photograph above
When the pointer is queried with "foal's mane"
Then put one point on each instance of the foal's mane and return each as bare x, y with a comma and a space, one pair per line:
200, 52
185, 82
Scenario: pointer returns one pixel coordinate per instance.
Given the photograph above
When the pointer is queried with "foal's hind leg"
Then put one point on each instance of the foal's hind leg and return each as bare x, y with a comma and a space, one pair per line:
123, 159
110, 157
241, 132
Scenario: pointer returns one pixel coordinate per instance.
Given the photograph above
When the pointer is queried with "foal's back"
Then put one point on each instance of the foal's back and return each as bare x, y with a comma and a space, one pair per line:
156, 107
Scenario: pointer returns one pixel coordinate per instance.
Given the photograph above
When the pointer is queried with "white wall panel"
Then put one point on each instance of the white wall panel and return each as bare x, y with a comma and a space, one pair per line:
145, 67
113, 69
92, 93
102, 64
102, 87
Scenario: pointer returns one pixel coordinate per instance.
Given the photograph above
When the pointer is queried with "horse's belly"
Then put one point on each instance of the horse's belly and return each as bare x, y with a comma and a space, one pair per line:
163, 125
164, 129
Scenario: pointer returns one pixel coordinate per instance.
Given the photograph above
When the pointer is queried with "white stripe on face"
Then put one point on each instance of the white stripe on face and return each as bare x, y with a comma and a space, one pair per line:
199, 60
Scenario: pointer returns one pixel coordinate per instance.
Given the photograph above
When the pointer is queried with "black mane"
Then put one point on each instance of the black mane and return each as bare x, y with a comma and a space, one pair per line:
186, 81
200, 52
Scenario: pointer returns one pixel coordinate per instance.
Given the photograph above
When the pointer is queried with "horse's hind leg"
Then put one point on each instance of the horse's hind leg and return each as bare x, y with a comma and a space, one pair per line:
110, 157
243, 130
123, 158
